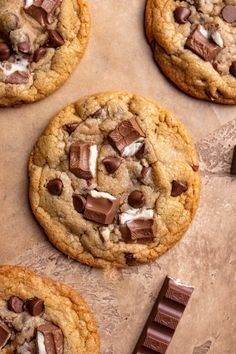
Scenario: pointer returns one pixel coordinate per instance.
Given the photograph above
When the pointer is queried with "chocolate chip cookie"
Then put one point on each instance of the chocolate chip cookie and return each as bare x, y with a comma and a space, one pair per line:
114, 180
41, 42
194, 44
40, 316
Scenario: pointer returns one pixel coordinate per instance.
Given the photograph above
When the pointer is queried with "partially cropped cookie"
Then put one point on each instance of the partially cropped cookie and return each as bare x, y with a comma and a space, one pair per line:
40, 316
41, 42
194, 43
114, 180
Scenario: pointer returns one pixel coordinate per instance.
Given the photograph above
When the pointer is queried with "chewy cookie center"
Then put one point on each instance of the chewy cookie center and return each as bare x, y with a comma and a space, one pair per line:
28, 38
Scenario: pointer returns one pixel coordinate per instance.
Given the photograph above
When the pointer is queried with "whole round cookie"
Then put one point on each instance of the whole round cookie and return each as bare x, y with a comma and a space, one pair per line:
194, 44
41, 42
114, 180
38, 315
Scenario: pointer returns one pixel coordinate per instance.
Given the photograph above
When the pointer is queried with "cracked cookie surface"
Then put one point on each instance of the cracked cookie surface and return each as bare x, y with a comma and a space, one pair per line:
41, 42
32, 307
194, 44
114, 180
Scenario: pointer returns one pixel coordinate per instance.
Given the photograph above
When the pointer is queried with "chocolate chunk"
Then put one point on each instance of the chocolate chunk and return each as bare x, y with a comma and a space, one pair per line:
55, 39
35, 306
70, 127
39, 54
5, 334
232, 68
50, 339
141, 152
101, 207
195, 168
164, 318
136, 199
83, 158
79, 203
43, 11
97, 113
24, 46
125, 134
181, 14
141, 230
50, 5
17, 78
229, 13
178, 188
5, 51
233, 164
145, 173
130, 259
15, 304
202, 46
55, 186
111, 163
37, 13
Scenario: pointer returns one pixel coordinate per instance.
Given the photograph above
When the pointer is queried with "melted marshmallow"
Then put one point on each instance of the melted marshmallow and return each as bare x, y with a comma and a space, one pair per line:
9, 68
93, 159
131, 149
96, 194
132, 214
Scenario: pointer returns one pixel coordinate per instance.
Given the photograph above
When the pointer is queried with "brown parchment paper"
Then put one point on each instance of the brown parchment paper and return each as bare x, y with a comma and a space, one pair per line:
119, 58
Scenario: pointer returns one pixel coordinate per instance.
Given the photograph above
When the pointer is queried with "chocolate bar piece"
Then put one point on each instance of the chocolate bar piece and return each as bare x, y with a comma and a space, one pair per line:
233, 164
164, 318
202, 46
127, 137
83, 159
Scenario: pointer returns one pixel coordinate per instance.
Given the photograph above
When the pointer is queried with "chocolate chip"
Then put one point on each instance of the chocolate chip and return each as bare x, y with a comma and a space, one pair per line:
79, 203
229, 13
202, 46
195, 168
17, 78
178, 188
111, 163
129, 259
5, 51
136, 199
232, 68
101, 209
15, 304
55, 39
5, 334
55, 186
53, 339
181, 14
97, 113
39, 54
233, 164
70, 127
145, 173
24, 46
126, 133
35, 306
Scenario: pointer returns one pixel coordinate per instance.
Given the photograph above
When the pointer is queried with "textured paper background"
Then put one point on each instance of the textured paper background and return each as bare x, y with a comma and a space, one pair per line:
118, 58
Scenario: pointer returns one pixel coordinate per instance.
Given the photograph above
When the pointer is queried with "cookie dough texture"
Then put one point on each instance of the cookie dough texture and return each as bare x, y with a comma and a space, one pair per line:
63, 306
172, 156
47, 75
193, 75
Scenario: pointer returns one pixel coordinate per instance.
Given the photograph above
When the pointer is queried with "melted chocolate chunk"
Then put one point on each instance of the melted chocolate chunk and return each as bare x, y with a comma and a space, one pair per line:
79, 203
229, 13
5, 334
15, 304
136, 199
126, 133
111, 163
195, 168
80, 154
35, 306
101, 210
202, 46
232, 68
55, 39
53, 339
141, 230
55, 186
17, 78
5, 51
39, 54
181, 14
178, 188
141, 152
70, 127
